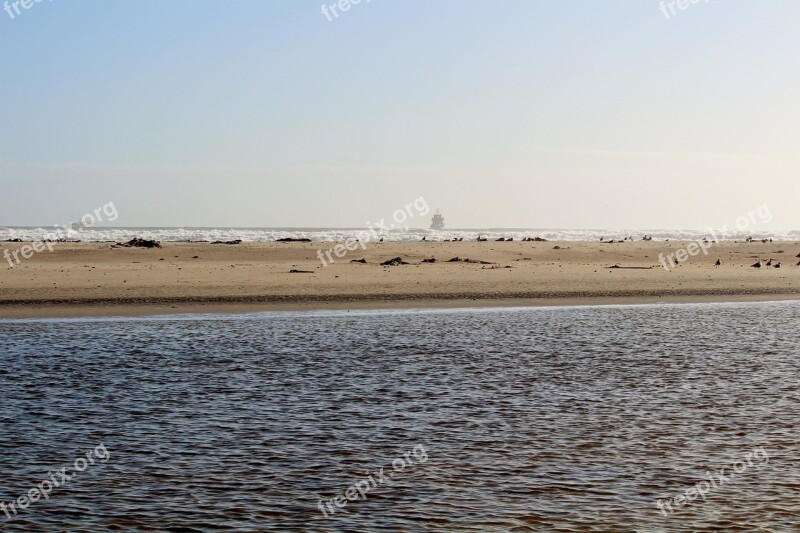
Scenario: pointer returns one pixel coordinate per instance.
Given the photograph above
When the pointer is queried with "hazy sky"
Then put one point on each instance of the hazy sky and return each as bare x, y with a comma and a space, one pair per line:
514, 113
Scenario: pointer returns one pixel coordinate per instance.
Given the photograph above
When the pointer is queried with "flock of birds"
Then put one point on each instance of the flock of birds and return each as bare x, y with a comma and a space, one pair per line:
776, 264
760, 263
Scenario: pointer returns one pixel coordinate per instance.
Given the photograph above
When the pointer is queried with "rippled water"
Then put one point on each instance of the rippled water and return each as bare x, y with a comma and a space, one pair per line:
540, 419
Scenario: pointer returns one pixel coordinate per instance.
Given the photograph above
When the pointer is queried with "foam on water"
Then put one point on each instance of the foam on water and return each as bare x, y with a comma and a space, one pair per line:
98, 234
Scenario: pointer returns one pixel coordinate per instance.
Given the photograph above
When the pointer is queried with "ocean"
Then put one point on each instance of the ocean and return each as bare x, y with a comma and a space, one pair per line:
600, 418
98, 234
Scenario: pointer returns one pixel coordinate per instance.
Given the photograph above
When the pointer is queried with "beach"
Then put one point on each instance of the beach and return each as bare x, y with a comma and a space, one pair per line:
102, 278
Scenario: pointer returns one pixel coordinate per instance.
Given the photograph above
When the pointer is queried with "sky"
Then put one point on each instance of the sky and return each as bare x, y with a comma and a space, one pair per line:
513, 113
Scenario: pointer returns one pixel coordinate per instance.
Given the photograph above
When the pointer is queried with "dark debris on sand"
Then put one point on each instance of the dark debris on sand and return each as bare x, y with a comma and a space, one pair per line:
394, 262
459, 260
140, 243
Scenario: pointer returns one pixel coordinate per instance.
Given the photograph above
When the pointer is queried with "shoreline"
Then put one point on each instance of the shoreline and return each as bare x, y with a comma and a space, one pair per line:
99, 279
186, 306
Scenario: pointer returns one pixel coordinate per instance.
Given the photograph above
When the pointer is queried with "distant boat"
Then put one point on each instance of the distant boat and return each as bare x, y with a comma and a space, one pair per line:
437, 222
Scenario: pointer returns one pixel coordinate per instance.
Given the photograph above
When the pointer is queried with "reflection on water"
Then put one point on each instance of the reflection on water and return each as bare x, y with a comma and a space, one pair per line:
569, 419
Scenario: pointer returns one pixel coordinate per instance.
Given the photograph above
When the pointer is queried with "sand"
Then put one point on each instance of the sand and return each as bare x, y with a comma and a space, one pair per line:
98, 279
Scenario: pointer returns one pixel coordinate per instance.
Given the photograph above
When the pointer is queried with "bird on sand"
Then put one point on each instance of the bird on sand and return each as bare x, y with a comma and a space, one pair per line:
777, 264
757, 264
718, 263
769, 263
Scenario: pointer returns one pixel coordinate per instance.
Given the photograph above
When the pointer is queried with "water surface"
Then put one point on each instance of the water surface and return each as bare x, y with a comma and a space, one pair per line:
537, 419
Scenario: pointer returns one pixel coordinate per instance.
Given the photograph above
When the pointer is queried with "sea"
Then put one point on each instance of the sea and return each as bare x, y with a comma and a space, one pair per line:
389, 234
669, 417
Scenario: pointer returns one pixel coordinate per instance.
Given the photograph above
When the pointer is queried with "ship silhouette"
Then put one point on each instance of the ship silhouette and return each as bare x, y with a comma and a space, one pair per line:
437, 222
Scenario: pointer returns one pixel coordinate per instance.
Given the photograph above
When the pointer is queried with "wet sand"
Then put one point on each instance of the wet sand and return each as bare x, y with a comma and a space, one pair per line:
98, 279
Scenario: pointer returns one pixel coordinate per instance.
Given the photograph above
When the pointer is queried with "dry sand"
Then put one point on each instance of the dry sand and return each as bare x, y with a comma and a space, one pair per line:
98, 279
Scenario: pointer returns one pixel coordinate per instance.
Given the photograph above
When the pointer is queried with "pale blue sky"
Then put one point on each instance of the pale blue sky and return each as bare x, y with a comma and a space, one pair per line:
523, 113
